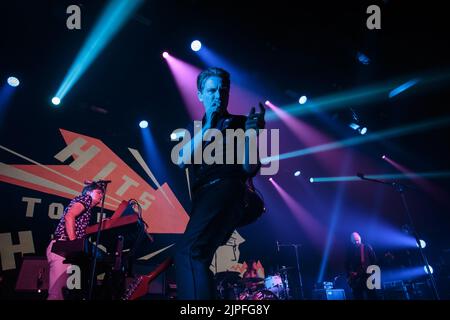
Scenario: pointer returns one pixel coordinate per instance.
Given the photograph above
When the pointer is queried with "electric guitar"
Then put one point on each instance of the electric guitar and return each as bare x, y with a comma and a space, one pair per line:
357, 278
140, 285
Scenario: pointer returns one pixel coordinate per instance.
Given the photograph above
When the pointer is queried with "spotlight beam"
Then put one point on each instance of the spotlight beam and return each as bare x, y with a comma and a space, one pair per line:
394, 132
306, 134
435, 191
311, 226
6, 92
337, 206
430, 175
185, 76
362, 95
336, 101
403, 87
147, 170
113, 17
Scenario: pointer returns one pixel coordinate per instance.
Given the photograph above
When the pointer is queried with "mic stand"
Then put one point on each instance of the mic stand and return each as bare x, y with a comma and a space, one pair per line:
297, 259
400, 188
94, 262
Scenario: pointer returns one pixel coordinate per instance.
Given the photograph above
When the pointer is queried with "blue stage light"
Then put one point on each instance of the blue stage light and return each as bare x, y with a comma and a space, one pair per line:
362, 58
13, 81
423, 244
426, 269
302, 100
196, 45
56, 101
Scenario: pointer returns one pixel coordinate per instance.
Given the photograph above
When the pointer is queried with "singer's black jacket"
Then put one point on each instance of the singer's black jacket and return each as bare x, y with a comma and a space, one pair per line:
202, 174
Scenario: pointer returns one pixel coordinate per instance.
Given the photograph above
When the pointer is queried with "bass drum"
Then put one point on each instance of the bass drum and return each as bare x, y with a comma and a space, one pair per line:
264, 295
274, 284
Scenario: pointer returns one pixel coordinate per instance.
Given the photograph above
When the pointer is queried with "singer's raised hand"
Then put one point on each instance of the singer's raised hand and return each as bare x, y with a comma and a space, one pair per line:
256, 120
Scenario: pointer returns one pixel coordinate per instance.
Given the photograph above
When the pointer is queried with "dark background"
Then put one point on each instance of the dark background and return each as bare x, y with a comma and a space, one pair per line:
306, 47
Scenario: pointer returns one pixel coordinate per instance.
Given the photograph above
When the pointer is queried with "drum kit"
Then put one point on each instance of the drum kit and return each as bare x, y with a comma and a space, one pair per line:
230, 286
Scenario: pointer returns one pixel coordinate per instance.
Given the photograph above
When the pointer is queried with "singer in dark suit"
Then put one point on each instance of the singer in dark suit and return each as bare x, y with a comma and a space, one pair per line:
72, 226
217, 191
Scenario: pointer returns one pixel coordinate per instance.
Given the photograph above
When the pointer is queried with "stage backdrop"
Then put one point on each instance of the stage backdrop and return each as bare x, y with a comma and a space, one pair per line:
37, 193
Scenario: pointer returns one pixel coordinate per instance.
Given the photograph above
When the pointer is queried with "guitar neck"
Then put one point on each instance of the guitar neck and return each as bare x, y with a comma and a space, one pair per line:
139, 288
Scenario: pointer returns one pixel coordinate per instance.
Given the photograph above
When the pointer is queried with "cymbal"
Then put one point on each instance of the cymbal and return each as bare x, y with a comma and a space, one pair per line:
252, 280
229, 275
285, 269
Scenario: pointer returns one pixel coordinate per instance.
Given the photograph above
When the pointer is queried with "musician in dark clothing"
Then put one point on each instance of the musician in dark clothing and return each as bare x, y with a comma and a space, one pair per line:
359, 257
72, 226
217, 189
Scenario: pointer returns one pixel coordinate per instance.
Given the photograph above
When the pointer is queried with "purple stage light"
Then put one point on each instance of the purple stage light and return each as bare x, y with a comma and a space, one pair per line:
435, 191
311, 226
309, 136
185, 76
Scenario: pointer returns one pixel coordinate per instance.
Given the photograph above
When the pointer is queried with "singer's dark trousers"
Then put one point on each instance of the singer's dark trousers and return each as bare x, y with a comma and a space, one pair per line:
215, 214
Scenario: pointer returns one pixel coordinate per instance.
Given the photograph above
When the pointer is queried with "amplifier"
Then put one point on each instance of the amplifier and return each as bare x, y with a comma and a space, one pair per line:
329, 294
395, 290
33, 275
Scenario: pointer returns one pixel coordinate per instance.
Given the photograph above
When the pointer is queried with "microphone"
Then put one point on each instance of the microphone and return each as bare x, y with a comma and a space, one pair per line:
361, 175
278, 246
40, 279
214, 117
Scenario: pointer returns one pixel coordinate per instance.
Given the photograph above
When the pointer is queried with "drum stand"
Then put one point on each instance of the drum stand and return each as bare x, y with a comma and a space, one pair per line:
286, 290
297, 259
